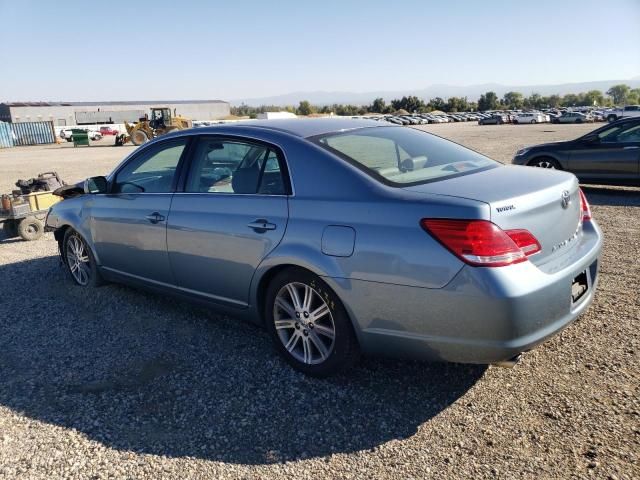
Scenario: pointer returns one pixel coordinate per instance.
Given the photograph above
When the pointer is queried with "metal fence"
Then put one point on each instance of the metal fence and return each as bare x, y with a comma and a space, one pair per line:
26, 133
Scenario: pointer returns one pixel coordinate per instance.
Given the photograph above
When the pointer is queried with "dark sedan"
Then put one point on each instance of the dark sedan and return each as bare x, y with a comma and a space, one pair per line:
608, 155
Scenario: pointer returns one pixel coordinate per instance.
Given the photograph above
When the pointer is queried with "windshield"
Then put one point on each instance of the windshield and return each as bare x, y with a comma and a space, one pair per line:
403, 156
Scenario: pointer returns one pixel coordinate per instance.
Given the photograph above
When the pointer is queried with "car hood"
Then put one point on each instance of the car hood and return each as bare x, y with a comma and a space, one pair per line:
550, 145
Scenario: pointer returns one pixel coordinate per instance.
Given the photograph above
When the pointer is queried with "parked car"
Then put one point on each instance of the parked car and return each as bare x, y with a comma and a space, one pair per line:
573, 117
492, 120
106, 130
624, 112
67, 133
608, 155
342, 236
529, 117
394, 120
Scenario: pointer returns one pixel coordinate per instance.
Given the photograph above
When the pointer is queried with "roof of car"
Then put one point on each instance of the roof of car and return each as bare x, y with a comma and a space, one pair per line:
310, 127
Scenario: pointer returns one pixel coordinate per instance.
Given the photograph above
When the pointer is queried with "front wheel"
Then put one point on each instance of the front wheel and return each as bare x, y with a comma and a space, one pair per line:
138, 137
545, 163
79, 260
533, 121
308, 324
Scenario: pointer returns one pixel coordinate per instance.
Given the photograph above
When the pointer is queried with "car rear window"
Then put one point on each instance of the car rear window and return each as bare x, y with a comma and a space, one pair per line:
401, 156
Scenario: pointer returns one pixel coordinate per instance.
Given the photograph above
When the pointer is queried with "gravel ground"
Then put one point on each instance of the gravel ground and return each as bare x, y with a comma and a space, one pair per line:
119, 383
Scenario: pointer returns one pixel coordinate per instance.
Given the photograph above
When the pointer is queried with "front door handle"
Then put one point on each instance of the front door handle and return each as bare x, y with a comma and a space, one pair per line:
631, 147
155, 217
261, 225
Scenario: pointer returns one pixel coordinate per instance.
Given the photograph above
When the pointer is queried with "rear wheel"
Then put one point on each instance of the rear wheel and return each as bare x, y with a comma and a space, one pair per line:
308, 323
545, 162
611, 118
30, 228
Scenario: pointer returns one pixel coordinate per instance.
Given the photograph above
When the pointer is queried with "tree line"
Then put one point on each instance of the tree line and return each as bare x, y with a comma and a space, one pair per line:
616, 95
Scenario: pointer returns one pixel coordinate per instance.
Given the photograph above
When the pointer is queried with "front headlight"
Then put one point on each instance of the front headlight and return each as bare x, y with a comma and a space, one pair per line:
522, 151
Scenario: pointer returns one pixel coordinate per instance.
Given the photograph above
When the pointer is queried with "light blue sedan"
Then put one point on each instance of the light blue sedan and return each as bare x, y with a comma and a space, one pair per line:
342, 237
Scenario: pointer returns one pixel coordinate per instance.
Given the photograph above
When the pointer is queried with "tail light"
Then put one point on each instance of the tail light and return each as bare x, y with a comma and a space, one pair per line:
585, 209
482, 243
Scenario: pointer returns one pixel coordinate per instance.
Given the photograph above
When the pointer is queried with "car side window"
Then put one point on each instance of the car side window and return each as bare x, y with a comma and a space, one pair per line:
609, 135
231, 166
630, 135
272, 181
622, 135
152, 171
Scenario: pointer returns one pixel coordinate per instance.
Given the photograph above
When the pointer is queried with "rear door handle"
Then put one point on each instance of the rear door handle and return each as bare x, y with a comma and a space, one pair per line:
261, 225
155, 217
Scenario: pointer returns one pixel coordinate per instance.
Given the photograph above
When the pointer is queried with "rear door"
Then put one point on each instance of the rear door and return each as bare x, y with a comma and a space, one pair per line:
232, 212
615, 155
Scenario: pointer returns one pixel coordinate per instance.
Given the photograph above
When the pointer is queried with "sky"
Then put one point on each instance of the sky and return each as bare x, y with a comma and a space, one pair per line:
123, 50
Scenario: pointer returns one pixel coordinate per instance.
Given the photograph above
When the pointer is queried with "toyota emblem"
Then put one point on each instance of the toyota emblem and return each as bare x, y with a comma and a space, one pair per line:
565, 199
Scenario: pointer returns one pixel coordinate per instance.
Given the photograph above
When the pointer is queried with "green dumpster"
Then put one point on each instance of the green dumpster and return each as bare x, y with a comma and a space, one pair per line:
80, 137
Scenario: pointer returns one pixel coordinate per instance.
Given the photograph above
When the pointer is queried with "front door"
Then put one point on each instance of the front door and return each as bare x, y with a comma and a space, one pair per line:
128, 225
232, 213
614, 155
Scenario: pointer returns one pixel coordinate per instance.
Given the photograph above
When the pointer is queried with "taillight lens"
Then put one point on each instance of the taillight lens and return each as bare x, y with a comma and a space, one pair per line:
482, 243
585, 209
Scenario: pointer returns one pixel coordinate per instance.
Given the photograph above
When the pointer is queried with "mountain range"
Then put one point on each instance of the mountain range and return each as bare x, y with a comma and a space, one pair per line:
472, 92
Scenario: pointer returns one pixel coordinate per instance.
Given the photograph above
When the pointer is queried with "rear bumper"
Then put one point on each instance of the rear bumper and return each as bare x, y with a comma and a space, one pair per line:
484, 315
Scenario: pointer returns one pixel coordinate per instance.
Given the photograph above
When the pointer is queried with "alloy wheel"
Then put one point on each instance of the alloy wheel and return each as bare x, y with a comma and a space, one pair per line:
78, 260
304, 323
545, 164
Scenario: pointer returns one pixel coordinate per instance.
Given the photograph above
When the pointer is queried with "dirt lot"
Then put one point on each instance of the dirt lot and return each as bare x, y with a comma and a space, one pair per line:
120, 383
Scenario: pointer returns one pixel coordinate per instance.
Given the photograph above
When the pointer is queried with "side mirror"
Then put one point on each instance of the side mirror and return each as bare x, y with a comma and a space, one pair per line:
95, 185
592, 139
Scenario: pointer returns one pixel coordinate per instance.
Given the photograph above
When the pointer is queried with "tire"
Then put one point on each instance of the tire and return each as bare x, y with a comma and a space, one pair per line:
317, 346
10, 228
30, 228
611, 118
533, 121
138, 137
578, 120
77, 254
545, 162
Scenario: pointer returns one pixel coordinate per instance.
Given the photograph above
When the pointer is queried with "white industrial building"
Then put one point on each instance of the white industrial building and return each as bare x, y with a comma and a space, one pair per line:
91, 113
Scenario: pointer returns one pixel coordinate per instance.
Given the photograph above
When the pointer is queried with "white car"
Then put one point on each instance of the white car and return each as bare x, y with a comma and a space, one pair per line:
626, 112
66, 133
530, 117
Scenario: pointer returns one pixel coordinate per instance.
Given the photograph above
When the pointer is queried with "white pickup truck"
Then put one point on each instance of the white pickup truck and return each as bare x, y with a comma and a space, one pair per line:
626, 112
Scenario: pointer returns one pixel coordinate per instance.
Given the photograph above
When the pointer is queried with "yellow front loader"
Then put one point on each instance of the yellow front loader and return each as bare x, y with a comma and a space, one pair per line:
161, 122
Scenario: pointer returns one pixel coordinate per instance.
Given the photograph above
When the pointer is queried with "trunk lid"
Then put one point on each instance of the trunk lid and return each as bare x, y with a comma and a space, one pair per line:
523, 197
